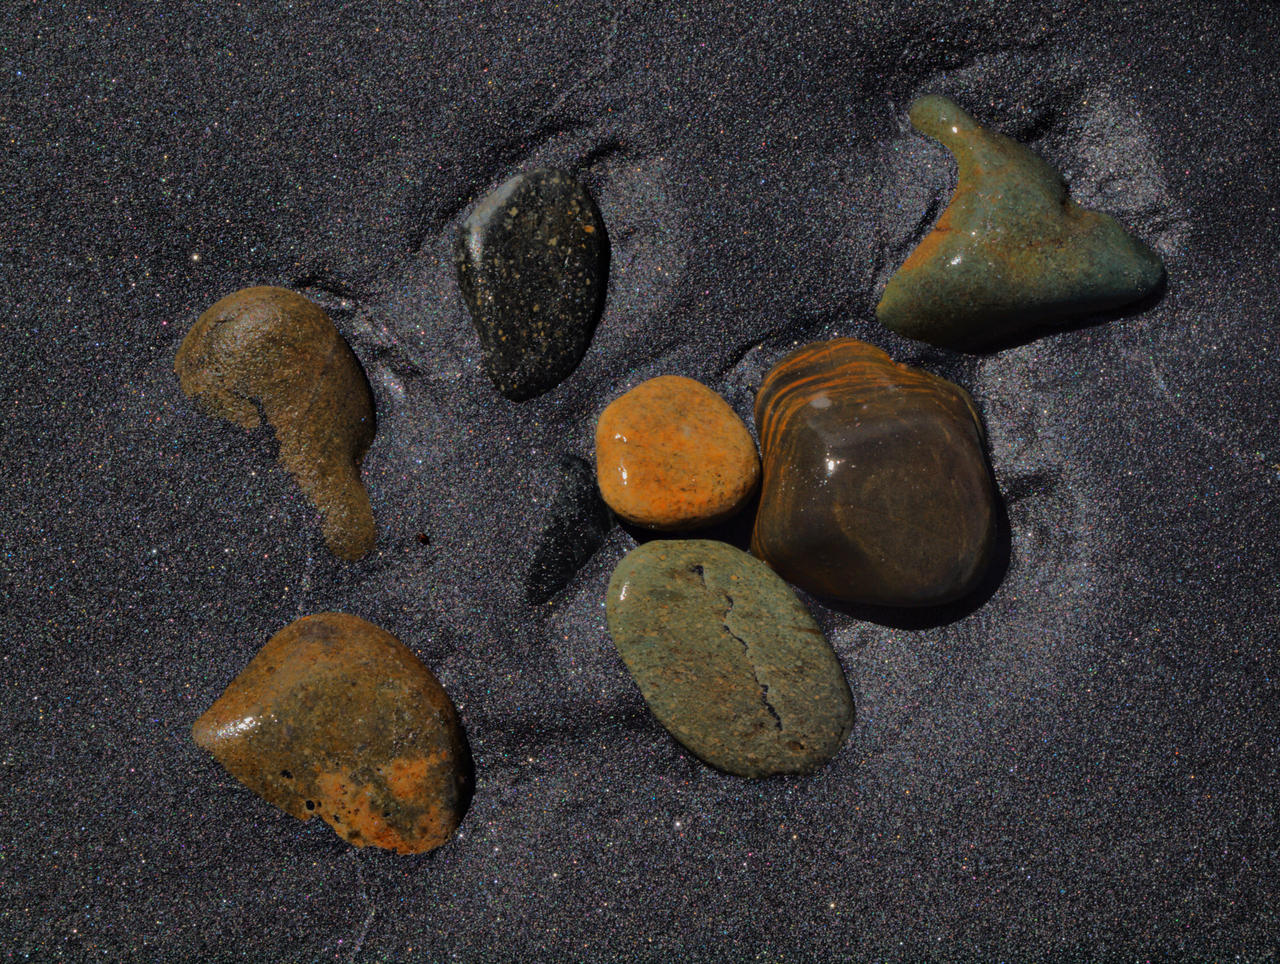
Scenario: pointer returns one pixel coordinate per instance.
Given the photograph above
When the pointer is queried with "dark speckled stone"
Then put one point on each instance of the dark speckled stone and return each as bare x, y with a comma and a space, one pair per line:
531, 264
1011, 253
336, 718
728, 659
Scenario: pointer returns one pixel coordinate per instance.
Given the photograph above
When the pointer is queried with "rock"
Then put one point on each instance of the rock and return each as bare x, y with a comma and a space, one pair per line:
335, 718
876, 488
672, 455
572, 528
728, 659
275, 348
531, 265
1011, 252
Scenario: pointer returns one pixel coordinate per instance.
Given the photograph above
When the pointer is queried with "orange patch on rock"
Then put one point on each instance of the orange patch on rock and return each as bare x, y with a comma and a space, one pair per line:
406, 776
352, 811
671, 455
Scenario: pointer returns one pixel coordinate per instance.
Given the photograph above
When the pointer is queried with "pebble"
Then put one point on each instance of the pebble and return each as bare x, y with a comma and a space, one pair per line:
336, 718
727, 658
572, 526
531, 261
1012, 252
672, 455
278, 349
876, 488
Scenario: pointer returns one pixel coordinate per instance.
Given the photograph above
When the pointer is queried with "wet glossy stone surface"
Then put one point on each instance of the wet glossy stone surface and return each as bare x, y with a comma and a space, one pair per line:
336, 718
728, 659
531, 261
275, 348
876, 489
1012, 252
672, 455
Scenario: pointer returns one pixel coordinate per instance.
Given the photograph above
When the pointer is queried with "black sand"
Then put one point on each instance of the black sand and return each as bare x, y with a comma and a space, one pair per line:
1083, 765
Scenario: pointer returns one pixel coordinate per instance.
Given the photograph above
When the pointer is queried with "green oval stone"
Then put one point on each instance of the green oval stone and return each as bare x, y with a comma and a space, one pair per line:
728, 659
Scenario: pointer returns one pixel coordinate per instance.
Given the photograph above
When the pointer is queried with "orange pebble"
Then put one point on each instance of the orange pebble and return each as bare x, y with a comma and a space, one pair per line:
671, 454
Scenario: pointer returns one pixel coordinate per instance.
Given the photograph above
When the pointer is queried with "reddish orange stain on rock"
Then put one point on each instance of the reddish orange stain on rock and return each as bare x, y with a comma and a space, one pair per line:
671, 454
336, 718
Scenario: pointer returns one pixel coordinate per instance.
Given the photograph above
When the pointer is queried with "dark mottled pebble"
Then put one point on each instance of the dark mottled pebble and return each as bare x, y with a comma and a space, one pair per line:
571, 528
728, 659
531, 263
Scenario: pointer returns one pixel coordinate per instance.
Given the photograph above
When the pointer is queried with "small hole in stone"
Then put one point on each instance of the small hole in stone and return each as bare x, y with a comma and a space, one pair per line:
311, 805
286, 774
386, 814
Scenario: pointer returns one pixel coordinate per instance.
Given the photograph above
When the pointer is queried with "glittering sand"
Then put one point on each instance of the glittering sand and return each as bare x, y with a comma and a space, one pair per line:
1081, 767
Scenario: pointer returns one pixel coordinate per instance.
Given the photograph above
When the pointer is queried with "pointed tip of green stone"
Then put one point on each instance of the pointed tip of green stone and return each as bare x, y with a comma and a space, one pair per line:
939, 117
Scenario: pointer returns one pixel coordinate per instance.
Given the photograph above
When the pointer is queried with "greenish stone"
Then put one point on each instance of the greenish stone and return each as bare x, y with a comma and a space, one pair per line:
1011, 253
531, 263
728, 659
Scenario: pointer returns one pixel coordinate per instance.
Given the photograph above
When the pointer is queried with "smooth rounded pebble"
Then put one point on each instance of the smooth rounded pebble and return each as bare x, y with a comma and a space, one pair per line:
728, 659
336, 718
876, 487
275, 348
531, 261
672, 455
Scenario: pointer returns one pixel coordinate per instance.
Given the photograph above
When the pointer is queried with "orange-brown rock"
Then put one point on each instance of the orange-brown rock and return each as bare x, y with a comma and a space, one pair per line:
275, 348
336, 718
671, 455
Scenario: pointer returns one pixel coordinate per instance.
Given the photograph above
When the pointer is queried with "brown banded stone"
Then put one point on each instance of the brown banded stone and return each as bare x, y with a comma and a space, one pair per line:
672, 455
272, 350
876, 488
336, 718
